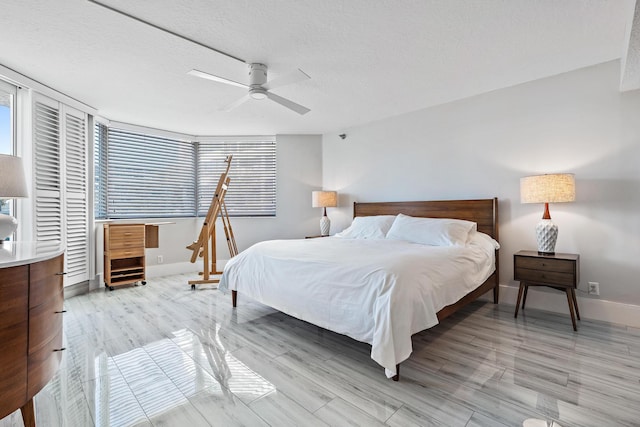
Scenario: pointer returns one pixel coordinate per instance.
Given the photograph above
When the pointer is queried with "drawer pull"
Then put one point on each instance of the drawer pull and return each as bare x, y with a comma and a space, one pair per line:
62, 273
62, 311
59, 349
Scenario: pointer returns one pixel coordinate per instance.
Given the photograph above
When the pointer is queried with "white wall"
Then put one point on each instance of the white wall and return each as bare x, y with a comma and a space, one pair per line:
480, 147
299, 171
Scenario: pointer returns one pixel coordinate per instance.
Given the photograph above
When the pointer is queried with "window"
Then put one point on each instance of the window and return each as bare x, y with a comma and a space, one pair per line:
100, 169
252, 186
144, 176
7, 134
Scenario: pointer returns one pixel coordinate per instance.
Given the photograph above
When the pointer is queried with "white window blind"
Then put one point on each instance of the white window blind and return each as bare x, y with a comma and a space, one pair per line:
149, 176
252, 187
100, 169
46, 134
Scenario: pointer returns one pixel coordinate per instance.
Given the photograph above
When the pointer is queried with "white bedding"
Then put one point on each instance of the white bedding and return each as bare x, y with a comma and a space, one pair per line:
376, 291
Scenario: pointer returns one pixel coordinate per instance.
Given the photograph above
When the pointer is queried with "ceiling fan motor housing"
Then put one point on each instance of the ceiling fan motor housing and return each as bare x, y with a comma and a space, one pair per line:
257, 75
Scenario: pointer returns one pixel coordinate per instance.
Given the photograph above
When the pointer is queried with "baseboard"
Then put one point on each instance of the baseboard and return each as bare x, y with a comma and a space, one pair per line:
590, 308
76, 289
160, 270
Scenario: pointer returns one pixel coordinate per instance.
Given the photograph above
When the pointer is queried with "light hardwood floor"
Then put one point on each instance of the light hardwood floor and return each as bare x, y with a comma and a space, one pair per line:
163, 355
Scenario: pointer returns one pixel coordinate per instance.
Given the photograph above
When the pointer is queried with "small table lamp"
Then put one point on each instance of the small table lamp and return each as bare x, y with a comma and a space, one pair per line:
324, 200
12, 185
551, 188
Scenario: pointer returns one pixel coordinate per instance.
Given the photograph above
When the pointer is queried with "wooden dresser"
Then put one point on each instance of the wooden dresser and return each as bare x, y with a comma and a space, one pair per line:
31, 312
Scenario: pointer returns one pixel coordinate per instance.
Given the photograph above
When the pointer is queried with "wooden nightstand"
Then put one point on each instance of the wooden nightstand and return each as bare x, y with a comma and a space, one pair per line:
558, 271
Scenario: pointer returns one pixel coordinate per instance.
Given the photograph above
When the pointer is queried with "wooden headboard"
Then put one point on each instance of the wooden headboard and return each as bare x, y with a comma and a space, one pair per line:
484, 212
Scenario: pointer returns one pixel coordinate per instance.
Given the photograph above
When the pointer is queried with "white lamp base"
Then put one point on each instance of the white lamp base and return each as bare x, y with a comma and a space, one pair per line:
546, 234
8, 226
325, 225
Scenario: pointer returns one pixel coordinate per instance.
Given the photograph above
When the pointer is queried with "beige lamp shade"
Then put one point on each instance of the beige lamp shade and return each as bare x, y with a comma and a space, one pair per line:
324, 199
550, 188
12, 182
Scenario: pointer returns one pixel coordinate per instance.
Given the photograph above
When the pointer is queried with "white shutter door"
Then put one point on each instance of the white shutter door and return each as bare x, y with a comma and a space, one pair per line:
46, 136
75, 196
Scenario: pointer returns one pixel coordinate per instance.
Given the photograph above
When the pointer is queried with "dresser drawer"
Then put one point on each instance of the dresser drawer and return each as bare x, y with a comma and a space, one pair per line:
46, 280
539, 276
43, 363
546, 264
123, 233
13, 367
44, 322
13, 294
126, 253
137, 243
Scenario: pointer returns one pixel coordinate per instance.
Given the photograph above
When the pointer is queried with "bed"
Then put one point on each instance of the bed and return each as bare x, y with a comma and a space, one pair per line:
376, 290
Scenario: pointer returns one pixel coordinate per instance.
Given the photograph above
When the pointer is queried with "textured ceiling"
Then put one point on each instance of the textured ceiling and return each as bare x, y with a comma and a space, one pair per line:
368, 59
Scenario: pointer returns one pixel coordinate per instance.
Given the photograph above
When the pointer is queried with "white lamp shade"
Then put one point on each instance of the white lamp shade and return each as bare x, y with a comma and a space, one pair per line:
12, 182
324, 199
550, 188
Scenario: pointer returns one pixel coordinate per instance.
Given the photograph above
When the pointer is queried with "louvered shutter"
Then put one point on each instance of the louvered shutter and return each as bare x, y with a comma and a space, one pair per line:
46, 135
75, 195
252, 189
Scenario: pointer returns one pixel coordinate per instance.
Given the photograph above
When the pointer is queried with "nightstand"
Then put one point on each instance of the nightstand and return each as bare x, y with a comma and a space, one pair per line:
558, 271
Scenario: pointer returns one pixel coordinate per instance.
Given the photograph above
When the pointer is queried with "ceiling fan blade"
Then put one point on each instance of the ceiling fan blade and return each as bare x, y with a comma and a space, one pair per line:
203, 75
293, 77
289, 104
236, 103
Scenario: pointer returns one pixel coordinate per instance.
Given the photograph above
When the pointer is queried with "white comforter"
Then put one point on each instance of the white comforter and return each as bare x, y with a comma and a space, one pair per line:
375, 291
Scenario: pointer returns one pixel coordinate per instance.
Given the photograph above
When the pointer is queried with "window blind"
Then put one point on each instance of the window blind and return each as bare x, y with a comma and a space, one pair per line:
149, 176
252, 186
100, 169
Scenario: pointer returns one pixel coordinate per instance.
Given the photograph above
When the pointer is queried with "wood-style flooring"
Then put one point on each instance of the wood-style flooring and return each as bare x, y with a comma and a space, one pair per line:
163, 355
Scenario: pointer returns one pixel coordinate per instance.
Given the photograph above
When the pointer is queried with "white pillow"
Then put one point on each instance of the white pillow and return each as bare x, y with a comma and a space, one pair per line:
368, 227
431, 231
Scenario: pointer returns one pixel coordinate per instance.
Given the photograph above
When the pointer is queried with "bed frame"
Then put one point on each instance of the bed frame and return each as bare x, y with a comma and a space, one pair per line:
484, 212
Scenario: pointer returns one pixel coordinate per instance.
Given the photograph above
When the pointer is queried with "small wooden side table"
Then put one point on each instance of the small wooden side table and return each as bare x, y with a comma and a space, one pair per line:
558, 271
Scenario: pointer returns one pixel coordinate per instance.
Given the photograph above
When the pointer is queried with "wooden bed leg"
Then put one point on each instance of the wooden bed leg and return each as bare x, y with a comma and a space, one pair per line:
396, 377
234, 298
496, 293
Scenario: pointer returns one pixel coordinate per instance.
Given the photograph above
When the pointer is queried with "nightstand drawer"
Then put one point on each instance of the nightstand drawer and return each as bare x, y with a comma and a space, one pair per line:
546, 264
542, 276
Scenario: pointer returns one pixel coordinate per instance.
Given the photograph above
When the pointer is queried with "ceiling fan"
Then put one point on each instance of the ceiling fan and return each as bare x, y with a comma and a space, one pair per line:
259, 88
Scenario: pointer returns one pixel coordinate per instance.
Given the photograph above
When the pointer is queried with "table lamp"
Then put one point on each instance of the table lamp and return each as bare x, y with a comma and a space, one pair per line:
550, 188
12, 186
324, 200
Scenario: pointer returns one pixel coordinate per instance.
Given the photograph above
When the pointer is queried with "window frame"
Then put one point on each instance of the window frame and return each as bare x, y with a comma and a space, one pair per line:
202, 188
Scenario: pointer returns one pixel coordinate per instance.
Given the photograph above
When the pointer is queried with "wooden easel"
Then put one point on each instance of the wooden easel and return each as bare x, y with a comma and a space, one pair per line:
205, 246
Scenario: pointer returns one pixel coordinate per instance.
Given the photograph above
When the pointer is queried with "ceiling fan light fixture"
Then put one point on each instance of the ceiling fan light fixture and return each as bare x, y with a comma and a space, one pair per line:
257, 93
